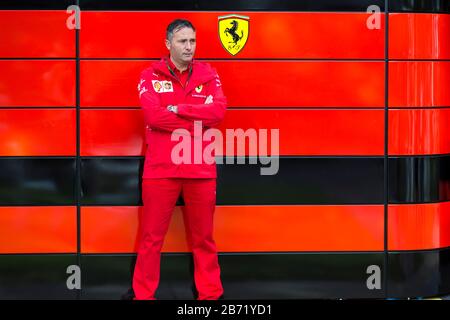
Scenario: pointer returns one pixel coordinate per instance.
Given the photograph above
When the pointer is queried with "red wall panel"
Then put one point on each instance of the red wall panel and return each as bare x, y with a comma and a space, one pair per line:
315, 132
110, 83
301, 131
245, 228
112, 132
38, 132
38, 229
419, 36
419, 83
419, 226
37, 83
419, 131
272, 35
31, 33
251, 83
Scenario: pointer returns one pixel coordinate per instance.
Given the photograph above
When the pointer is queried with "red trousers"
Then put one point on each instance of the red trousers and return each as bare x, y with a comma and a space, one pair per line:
159, 197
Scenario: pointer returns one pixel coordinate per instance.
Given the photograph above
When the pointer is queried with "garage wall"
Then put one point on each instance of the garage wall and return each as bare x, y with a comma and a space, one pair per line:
364, 166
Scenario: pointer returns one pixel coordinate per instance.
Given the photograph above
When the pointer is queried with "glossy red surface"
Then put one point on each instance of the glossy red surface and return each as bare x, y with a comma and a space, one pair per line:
419, 36
37, 83
301, 132
419, 226
251, 83
272, 35
245, 229
419, 84
32, 34
38, 229
419, 131
38, 132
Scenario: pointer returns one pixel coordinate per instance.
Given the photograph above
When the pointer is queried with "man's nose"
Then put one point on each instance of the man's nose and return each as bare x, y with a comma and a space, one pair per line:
188, 46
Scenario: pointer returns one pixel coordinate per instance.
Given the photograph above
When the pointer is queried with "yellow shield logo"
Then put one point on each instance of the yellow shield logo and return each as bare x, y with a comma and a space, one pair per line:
233, 32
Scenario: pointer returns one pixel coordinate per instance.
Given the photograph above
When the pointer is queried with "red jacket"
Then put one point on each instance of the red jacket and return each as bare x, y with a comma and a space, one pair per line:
158, 88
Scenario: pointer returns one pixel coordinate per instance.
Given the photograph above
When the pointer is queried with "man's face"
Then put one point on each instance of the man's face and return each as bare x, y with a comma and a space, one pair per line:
182, 46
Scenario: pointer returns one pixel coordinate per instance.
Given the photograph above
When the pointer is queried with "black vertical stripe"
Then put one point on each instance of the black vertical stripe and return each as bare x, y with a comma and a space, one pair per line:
386, 148
78, 158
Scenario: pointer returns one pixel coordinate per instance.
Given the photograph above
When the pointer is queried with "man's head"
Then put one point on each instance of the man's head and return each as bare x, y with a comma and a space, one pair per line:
180, 41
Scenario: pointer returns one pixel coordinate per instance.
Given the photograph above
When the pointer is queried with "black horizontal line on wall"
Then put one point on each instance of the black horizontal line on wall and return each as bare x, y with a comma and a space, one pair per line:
271, 205
225, 59
243, 59
36, 58
247, 157
39, 254
248, 253
225, 205
110, 108
37, 157
243, 253
393, 156
304, 108
295, 156
34, 107
34, 205
231, 205
421, 251
330, 108
419, 108
281, 156
419, 60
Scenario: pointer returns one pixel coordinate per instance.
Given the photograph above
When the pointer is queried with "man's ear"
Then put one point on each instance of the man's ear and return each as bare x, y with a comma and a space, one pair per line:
167, 44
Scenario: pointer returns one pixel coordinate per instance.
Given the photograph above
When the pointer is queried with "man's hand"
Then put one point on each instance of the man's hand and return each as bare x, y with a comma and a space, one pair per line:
172, 108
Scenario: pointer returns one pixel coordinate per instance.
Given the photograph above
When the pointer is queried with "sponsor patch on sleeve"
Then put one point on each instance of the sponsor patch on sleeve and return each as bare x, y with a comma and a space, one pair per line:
167, 86
162, 86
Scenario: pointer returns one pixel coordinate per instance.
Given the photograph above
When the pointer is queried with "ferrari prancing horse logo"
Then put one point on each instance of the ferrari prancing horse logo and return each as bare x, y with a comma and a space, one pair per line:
233, 32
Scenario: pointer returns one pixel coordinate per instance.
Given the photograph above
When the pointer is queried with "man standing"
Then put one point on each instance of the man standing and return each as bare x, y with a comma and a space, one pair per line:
177, 94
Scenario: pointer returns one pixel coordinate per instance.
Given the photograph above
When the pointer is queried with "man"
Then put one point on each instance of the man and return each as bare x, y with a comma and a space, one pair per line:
176, 93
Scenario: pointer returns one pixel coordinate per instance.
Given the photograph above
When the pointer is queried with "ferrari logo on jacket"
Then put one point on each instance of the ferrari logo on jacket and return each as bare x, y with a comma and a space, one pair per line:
199, 89
233, 32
